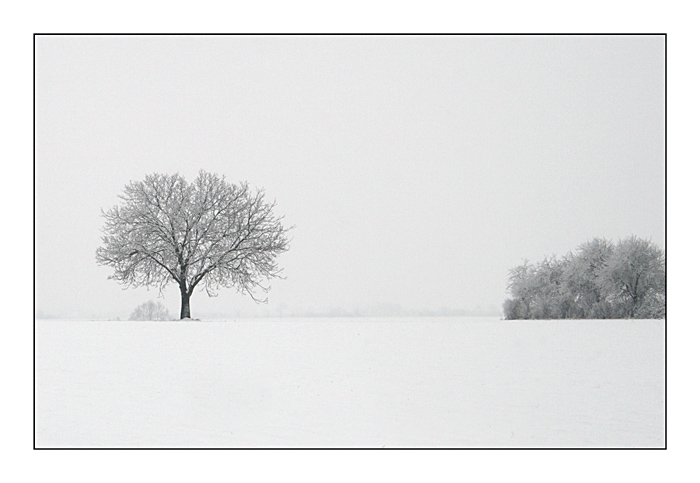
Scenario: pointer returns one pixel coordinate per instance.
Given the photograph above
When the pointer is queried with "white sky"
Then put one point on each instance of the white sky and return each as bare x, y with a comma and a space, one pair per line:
417, 170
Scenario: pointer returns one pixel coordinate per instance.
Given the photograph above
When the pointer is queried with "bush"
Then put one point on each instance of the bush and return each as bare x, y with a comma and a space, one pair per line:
150, 311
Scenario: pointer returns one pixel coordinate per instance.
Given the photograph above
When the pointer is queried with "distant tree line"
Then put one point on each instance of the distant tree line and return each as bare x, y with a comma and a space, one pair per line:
600, 280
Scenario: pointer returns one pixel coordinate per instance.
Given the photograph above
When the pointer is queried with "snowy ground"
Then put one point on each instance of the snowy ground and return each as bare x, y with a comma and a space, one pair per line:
423, 382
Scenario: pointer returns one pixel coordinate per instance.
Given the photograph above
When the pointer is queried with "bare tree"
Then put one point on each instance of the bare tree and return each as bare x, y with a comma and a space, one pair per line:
209, 233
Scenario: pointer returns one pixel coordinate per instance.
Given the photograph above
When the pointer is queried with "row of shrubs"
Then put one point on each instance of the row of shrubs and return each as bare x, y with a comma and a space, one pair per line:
600, 280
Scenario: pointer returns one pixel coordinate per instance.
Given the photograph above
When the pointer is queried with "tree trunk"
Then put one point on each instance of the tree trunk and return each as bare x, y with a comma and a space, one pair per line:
185, 306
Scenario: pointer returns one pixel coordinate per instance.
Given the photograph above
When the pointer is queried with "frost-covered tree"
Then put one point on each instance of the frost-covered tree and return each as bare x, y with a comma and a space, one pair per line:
209, 233
634, 277
522, 286
549, 300
150, 311
538, 291
582, 277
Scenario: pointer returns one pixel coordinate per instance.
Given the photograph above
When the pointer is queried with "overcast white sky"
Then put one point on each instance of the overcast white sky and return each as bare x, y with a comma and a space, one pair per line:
417, 170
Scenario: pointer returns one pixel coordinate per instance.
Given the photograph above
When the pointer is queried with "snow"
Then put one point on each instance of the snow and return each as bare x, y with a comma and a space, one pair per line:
350, 382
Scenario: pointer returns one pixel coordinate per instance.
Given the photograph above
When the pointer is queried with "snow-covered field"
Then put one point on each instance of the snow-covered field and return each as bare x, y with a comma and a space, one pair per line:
393, 382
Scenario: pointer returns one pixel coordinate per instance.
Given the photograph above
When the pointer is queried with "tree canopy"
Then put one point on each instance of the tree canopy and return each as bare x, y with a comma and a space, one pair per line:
600, 280
209, 233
